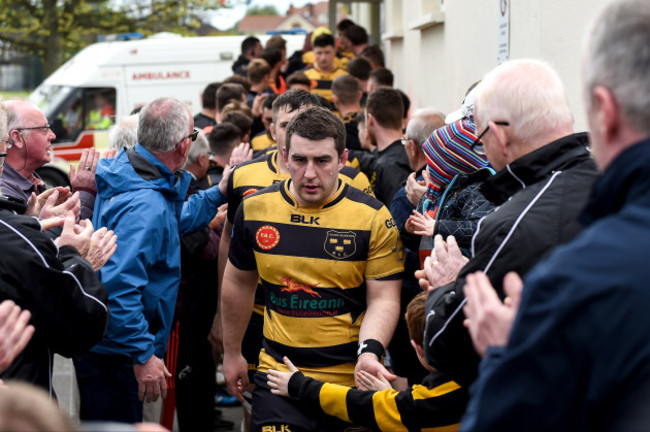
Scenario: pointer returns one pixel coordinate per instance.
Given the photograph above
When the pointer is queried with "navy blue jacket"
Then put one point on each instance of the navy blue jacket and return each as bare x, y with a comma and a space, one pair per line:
578, 358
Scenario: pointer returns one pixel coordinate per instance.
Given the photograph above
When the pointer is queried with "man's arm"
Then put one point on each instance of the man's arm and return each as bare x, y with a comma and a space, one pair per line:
383, 305
237, 299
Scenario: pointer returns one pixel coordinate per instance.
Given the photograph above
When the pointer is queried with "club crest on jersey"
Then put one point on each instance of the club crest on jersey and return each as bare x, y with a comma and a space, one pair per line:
267, 237
340, 244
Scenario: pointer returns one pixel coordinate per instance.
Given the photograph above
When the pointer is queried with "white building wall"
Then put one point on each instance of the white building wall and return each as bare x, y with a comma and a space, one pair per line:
436, 63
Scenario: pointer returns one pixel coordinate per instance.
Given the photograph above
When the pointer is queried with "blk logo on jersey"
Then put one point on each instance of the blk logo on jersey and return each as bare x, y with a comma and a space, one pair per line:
267, 237
307, 220
340, 244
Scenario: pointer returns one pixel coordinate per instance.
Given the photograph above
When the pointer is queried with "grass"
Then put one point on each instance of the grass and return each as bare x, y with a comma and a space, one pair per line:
7, 95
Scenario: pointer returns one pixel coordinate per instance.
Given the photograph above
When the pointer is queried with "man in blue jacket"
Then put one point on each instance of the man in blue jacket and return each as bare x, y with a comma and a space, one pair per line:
578, 356
140, 197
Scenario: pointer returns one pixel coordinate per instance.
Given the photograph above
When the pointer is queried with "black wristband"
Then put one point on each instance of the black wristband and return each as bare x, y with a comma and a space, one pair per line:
371, 346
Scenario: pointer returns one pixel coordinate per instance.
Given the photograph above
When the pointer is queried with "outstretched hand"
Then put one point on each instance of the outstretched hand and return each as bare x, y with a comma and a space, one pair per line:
371, 382
488, 320
279, 381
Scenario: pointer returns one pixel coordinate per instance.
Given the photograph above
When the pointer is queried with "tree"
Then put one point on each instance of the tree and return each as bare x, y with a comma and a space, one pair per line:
262, 10
54, 30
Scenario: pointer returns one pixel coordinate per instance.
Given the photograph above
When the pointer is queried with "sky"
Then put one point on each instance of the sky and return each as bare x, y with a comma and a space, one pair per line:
225, 18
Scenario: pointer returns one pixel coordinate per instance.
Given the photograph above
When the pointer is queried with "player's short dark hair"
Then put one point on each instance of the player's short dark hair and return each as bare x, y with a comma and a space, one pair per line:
344, 24
386, 106
248, 44
227, 92
383, 77
292, 100
357, 35
272, 56
317, 123
209, 96
347, 89
324, 40
374, 55
223, 138
359, 68
298, 78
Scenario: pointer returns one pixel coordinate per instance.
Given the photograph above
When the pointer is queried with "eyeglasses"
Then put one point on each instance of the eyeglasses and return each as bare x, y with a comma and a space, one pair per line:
477, 141
193, 135
44, 130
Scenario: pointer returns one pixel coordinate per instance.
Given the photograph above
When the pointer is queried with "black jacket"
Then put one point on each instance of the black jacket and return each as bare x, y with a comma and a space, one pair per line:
539, 198
67, 302
387, 170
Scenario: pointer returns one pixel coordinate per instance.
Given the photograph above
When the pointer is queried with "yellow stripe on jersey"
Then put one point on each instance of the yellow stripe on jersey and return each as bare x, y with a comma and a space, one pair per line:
448, 428
389, 416
421, 392
323, 80
339, 329
332, 401
261, 141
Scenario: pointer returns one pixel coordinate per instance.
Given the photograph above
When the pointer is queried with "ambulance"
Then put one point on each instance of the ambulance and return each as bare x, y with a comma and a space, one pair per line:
106, 81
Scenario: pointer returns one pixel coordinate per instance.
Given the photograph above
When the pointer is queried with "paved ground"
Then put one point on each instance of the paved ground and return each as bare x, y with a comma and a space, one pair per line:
68, 396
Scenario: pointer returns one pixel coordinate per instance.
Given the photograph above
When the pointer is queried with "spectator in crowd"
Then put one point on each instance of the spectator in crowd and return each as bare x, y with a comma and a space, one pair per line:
208, 106
300, 81
374, 55
380, 77
403, 361
345, 49
324, 70
355, 38
196, 306
54, 280
251, 48
436, 403
360, 69
125, 133
142, 278
278, 42
29, 140
315, 152
544, 173
238, 79
388, 167
259, 73
242, 121
227, 93
273, 56
594, 372
346, 95
263, 139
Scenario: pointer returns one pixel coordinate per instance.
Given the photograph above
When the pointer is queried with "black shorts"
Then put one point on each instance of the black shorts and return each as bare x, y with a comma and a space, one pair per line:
272, 413
252, 343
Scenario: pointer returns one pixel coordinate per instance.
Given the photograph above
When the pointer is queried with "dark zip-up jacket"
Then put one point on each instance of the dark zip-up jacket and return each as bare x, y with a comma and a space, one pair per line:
58, 287
539, 197
579, 350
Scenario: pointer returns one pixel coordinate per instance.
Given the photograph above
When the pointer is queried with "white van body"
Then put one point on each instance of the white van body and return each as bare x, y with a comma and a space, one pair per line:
134, 73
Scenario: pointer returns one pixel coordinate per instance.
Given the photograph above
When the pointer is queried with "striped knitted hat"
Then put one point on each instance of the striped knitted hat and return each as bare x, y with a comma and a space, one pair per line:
448, 153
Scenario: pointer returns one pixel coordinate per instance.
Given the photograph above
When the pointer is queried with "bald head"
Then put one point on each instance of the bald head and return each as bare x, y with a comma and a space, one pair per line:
529, 95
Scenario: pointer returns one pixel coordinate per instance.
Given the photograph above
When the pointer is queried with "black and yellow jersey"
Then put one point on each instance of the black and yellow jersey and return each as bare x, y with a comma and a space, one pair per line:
323, 81
261, 141
313, 264
341, 60
436, 405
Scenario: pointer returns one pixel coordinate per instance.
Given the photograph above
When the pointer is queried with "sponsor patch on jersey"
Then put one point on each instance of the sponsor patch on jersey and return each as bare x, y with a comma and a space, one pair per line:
398, 250
249, 192
291, 286
267, 237
340, 244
